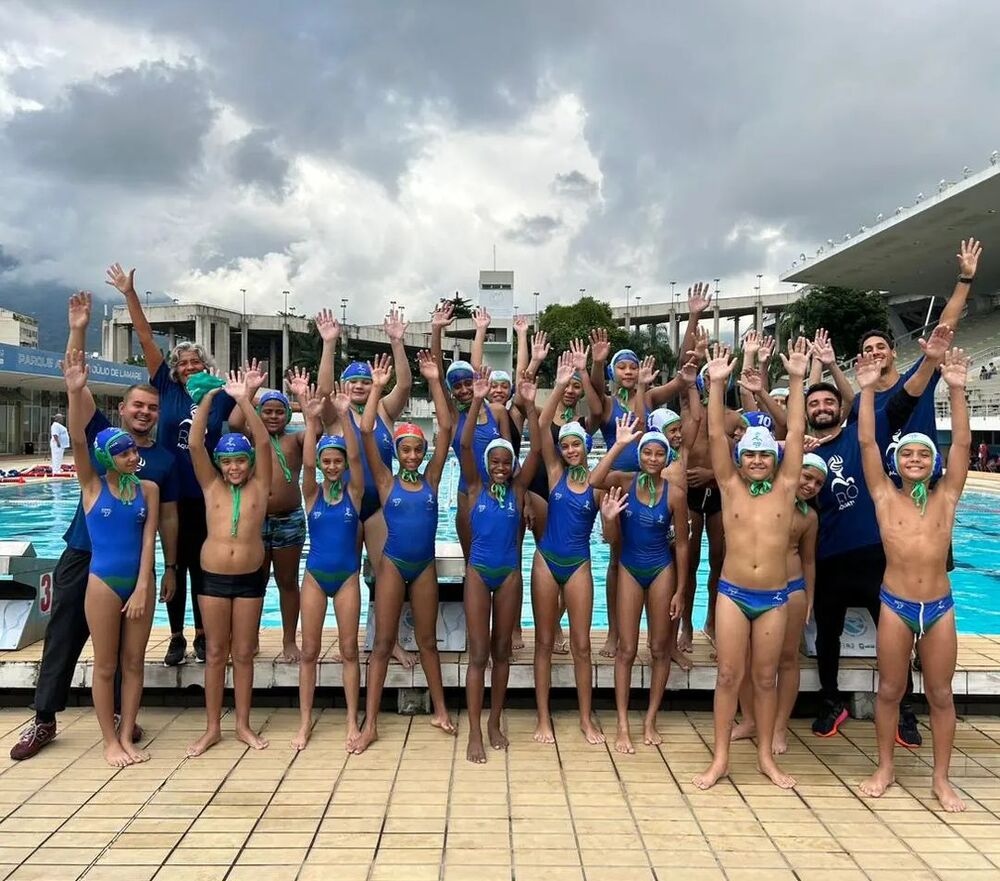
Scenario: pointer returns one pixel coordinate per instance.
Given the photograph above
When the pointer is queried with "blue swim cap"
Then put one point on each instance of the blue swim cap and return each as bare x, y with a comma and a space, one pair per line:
331, 442
758, 419
280, 398
356, 370
458, 371
624, 355
111, 442
233, 445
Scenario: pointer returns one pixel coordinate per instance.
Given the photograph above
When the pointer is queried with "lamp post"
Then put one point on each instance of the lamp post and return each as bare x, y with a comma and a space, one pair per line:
715, 309
628, 313
759, 311
284, 339
147, 298
243, 328
638, 297
535, 294
343, 310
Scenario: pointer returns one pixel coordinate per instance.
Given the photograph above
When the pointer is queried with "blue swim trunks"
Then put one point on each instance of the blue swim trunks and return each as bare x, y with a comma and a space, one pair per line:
795, 584
754, 603
284, 530
919, 617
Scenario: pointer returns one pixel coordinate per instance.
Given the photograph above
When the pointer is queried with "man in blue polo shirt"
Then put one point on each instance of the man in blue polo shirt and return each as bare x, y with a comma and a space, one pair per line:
67, 630
850, 560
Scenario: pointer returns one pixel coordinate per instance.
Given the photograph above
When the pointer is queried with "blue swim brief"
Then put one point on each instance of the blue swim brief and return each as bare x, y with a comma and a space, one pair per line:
795, 584
919, 617
754, 603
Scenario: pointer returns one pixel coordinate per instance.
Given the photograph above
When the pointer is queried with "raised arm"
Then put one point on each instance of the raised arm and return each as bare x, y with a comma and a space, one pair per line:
467, 456
934, 349
523, 351
600, 351
954, 372
751, 343
125, 284
691, 424
482, 319
442, 413
699, 299
796, 366
866, 370
201, 459
328, 329
752, 383
614, 502
381, 367
968, 263
236, 387
254, 377
395, 402
630, 429
312, 408
441, 317
822, 351
720, 367
662, 394
543, 424
74, 367
356, 470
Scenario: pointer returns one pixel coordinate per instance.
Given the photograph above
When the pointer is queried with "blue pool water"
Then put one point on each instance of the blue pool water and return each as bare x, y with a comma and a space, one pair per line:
41, 514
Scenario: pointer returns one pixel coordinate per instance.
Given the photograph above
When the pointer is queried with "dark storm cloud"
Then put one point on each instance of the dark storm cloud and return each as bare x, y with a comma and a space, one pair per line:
7, 261
574, 183
139, 125
255, 160
536, 230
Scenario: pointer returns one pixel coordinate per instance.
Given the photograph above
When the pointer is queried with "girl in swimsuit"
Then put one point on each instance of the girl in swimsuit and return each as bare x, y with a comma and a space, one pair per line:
410, 502
333, 516
121, 513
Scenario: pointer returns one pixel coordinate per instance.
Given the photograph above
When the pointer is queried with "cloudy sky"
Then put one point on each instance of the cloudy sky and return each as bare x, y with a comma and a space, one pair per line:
379, 150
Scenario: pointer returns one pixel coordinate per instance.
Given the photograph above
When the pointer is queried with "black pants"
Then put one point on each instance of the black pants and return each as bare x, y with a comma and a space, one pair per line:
66, 634
843, 581
192, 530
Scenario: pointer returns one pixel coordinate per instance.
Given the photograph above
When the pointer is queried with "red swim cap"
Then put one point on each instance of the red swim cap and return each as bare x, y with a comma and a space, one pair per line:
407, 429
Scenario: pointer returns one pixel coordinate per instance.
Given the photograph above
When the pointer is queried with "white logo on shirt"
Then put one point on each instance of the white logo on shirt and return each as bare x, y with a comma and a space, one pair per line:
846, 497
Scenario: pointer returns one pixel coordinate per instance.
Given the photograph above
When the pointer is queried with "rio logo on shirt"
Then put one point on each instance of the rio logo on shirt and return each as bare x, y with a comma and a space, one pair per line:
844, 489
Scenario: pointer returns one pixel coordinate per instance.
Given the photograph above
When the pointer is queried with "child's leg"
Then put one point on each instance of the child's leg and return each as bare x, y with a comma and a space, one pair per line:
544, 610
733, 638
477, 601
716, 555
424, 600
938, 650
788, 669
611, 643
894, 645
103, 609
347, 607
246, 629
506, 613
658, 599
374, 532
579, 593
767, 636
463, 525
217, 618
313, 614
134, 637
631, 598
285, 562
747, 726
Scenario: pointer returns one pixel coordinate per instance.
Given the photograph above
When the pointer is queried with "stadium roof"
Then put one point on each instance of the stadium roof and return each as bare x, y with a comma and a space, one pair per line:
913, 252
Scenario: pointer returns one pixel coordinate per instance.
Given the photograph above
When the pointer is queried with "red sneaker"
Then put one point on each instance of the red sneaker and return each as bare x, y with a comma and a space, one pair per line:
33, 738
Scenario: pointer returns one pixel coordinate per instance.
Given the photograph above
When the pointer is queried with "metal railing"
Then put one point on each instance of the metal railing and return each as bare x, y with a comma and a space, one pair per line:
984, 405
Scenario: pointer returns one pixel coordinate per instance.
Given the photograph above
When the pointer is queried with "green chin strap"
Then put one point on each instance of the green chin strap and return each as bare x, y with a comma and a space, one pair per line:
461, 406
622, 394
359, 409
761, 487
568, 414
578, 473
333, 490
236, 492
802, 506
499, 492
919, 496
128, 484
648, 482
408, 476
282, 461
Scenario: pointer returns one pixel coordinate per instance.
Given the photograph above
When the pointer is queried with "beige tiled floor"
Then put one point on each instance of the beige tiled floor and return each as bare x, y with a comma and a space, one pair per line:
413, 808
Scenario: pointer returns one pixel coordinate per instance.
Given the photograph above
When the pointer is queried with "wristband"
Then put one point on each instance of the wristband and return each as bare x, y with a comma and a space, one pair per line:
966, 279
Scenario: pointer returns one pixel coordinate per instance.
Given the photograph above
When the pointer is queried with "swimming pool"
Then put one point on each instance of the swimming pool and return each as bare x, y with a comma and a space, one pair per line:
41, 514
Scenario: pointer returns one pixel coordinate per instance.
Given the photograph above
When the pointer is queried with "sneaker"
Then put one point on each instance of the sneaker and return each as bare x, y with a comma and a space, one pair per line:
828, 722
32, 739
199, 647
137, 731
176, 652
907, 732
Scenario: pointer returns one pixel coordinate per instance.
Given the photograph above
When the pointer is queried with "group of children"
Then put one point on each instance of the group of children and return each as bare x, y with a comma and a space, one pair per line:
663, 476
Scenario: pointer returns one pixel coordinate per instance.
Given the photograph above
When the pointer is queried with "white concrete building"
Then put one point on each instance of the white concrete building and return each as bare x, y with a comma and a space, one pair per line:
17, 329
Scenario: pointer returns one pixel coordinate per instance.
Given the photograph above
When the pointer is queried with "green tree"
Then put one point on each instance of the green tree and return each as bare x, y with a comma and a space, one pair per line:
462, 307
845, 313
575, 321
644, 342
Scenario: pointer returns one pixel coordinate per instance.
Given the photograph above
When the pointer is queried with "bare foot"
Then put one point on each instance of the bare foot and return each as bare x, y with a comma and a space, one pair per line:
498, 740
544, 733
709, 778
301, 739
517, 640
290, 653
137, 756
115, 755
678, 657
623, 742
251, 738
949, 799
560, 646
684, 639
878, 783
746, 729
365, 739
650, 736
593, 734
402, 656
444, 723
779, 743
353, 736
778, 777
610, 646
475, 752
209, 739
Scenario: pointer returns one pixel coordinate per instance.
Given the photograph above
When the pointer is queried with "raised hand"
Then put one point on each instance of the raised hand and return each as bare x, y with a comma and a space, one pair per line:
955, 368
74, 368
527, 389
937, 345
253, 376
689, 369
822, 348
298, 381
381, 367
394, 326
564, 369
327, 326
629, 429
647, 371
443, 314
614, 502
866, 371
481, 318
312, 403
766, 350
600, 345
520, 324
427, 365
968, 257
797, 362
79, 310
721, 364
117, 278
236, 386
540, 346
701, 344
481, 383
578, 355
751, 344
699, 298
752, 380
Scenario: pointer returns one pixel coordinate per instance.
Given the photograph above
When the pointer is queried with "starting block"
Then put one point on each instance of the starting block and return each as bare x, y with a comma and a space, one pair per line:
25, 594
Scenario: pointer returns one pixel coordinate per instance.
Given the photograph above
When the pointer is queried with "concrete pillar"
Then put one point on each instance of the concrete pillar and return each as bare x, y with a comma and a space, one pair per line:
759, 317
736, 330
285, 354
272, 360
716, 315
202, 334
106, 340
673, 329
119, 343
222, 355
171, 338
244, 342
129, 336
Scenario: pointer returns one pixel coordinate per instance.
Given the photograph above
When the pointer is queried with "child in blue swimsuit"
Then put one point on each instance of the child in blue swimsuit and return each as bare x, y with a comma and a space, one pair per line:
916, 522
647, 577
121, 514
410, 503
333, 514
491, 574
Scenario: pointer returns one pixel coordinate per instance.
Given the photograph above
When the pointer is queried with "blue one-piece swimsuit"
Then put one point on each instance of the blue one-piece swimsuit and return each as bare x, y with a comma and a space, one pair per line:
333, 543
565, 546
627, 459
485, 432
411, 520
645, 536
383, 439
116, 540
495, 534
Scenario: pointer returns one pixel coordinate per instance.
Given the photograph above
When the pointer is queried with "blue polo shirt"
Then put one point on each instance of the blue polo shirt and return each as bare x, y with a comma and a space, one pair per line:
155, 463
847, 519
176, 412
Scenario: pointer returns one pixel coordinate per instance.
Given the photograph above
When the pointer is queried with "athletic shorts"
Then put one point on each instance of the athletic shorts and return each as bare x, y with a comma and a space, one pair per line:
244, 586
705, 500
284, 530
